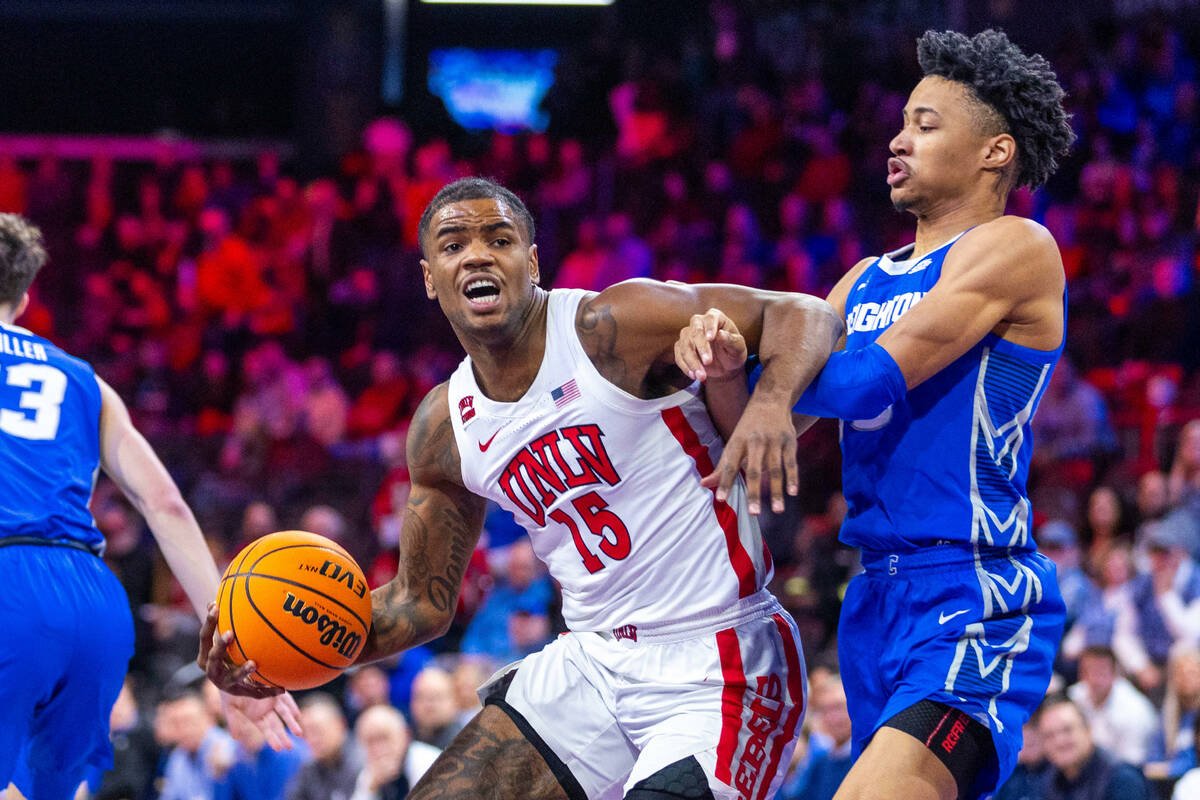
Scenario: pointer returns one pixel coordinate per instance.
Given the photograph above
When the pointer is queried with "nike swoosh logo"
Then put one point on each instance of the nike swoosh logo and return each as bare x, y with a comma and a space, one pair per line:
861, 285
483, 446
943, 618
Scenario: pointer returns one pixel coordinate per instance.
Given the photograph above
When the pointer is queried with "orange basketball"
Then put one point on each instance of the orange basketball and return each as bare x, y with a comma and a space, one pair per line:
298, 606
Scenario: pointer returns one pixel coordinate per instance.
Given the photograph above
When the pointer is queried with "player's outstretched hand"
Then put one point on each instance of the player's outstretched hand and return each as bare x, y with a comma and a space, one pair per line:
268, 718
710, 347
764, 442
220, 670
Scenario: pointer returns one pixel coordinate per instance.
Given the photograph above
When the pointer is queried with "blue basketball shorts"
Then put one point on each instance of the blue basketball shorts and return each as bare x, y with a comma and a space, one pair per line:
66, 643
976, 631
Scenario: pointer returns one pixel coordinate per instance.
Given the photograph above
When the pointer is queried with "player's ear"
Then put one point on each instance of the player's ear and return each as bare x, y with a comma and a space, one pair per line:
22, 304
534, 274
430, 292
1001, 151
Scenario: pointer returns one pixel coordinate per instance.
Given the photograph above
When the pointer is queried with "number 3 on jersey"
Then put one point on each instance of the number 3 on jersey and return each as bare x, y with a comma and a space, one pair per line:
45, 401
599, 520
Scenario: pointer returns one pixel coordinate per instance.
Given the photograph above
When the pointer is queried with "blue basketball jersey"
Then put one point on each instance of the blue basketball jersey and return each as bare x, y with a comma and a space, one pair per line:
49, 440
949, 461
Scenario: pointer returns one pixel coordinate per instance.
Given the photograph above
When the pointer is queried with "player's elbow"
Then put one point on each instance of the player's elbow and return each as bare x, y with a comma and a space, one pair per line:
166, 502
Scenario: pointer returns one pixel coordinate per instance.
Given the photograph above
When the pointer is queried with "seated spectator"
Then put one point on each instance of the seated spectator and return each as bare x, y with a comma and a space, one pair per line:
820, 777
1056, 539
135, 754
393, 761
258, 772
523, 588
199, 747
1183, 484
1121, 720
1175, 754
1031, 769
1166, 602
469, 674
332, 771
1072, 419
1105, 526
382, 404
434, 708
366, 686
1188, 787
1111, 622
1079, 769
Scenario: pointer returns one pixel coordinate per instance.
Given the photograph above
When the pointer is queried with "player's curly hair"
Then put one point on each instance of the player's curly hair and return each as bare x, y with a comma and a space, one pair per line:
474, 188
1022, 91
22, 254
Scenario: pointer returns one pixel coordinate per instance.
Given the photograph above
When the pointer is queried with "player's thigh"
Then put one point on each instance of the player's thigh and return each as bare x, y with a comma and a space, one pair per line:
490, 759
897, 765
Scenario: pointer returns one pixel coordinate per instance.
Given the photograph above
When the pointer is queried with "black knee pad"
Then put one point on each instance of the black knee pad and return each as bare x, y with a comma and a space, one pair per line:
959, 741
683, 780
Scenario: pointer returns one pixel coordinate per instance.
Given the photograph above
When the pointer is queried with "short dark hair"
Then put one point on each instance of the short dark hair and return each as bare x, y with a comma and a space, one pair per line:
1021, 90
474, 188
1099, 651
1054, 700
22, 254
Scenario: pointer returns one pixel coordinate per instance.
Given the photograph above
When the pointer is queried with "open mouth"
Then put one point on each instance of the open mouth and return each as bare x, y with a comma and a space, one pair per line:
482, 292
897, 171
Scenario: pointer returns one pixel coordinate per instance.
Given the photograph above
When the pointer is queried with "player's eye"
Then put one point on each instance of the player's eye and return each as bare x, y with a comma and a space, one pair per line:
451, 247
925, 128
502, 242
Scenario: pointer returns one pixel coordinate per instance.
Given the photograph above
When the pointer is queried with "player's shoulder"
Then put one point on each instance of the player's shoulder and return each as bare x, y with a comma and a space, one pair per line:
1011, 249
42, 349
1010, 233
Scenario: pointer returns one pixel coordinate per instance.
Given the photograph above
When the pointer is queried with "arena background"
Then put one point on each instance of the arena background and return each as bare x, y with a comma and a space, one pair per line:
229, 191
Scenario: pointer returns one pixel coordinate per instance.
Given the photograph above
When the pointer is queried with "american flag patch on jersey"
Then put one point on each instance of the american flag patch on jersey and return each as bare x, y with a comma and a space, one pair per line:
565, 394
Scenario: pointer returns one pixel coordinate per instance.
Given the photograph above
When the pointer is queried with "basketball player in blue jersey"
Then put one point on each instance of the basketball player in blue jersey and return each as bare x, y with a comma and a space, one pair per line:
947, 638
68, 633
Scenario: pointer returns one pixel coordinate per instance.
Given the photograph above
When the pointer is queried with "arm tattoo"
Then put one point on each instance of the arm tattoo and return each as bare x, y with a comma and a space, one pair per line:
597, 330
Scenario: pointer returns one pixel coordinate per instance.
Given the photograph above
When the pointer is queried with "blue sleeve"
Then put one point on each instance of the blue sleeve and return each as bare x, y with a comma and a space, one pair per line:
853, 384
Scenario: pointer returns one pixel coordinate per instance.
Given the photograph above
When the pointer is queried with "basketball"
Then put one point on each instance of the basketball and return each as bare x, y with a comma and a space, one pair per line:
298, 606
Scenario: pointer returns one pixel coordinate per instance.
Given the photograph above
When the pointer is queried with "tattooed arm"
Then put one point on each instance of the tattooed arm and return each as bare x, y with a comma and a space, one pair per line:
630, 330
441, 527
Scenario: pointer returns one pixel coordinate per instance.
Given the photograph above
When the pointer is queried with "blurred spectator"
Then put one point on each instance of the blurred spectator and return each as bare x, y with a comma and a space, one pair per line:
367, 686
333, 768
1166, 602
524, 589
135, 753
1188, 786
393, 761
1072, 420
1105, 526
1057, 540
1121, 720
326, 406
434, 708
325, 521
1031, 770
469, 675
259, 773
1175, 754
379, 407
1184, 480
1152, 497
1079, 769
193, 768
827, 766
1112, 622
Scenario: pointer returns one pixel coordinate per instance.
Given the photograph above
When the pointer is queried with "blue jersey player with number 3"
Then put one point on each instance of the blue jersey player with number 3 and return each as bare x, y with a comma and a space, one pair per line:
947, 638
68, 633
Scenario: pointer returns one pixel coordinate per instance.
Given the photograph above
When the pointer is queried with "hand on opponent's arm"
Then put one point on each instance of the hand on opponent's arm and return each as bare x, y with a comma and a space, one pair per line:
631, 331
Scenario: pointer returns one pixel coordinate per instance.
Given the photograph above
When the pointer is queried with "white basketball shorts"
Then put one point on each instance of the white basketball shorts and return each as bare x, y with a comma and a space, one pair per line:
608, 710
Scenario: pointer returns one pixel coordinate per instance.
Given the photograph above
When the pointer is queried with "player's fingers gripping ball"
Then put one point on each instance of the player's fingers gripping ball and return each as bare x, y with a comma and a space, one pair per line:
298, 606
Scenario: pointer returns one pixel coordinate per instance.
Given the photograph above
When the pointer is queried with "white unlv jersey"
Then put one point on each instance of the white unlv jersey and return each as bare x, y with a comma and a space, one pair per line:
608, 486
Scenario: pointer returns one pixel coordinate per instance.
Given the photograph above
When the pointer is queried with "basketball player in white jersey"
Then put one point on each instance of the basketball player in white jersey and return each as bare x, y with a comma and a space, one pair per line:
681, 677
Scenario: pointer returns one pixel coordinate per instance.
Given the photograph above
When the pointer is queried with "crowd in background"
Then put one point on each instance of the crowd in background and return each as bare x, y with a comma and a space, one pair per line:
271, 335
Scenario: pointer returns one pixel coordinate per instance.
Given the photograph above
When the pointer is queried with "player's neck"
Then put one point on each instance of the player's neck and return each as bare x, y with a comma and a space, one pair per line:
946, 220
505, 369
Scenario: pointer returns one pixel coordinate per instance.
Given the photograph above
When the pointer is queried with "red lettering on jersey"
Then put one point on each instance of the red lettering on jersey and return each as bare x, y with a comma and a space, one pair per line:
549, 444
539, 473
625, 632
535, 511
466, 407
765, 710
541, 476
595, 456
956, 732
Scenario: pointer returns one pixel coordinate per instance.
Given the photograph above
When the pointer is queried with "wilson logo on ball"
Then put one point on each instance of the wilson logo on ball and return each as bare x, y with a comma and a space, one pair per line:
333, 633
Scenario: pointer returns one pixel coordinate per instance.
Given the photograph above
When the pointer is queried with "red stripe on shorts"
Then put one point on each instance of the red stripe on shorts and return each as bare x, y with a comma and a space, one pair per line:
795, 693
687, 437
732, 696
